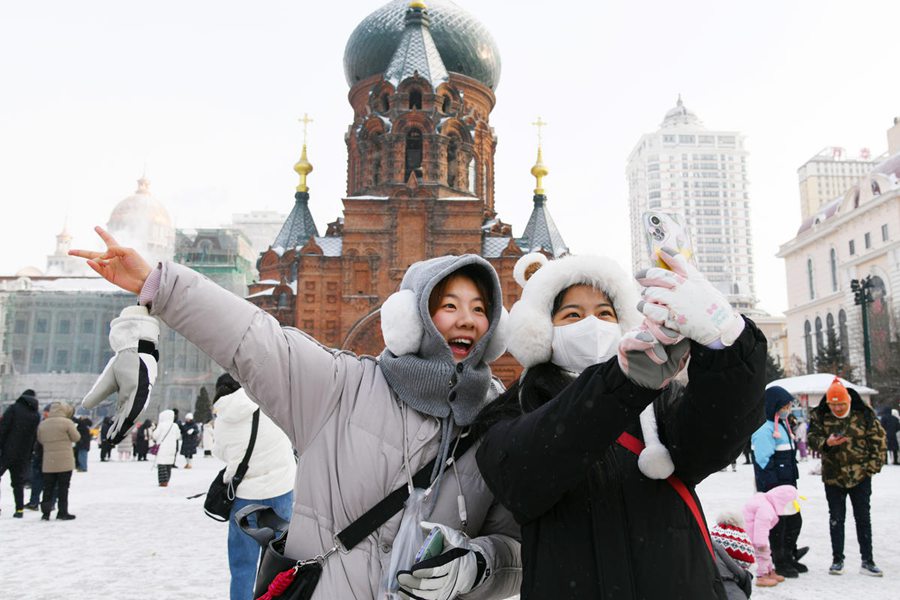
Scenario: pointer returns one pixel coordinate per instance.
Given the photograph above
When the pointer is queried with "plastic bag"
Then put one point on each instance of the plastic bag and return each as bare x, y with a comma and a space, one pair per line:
409, 539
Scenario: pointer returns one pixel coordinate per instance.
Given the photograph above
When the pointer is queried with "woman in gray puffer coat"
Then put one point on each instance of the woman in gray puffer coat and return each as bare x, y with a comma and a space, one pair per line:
362, 426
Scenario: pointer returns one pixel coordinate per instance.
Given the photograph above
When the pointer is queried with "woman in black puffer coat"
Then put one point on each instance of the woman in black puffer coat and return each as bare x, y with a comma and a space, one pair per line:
597, 522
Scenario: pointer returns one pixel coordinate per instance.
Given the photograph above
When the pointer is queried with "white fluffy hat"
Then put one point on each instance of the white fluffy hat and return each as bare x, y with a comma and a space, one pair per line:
530, 322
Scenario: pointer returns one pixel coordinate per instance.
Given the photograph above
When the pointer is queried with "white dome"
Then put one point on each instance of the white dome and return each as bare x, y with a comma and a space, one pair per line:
142, 222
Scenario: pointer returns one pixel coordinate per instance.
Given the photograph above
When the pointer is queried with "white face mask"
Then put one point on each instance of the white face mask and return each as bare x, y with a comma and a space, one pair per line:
585, 343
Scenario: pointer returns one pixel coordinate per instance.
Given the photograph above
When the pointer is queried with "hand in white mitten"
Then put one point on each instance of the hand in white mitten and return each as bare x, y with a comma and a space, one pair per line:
684, 300
652, 355
131, 372
459, 569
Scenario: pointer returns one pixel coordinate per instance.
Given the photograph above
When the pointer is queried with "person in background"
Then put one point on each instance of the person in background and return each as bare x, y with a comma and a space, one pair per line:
142, 440
761, 514
852, 443
106, 445
57, 434
800, 430
269, 479
168, 435
729, 538
125, 446
83, 447
208, 438
775, 465
891, 425
190, 439
18, 428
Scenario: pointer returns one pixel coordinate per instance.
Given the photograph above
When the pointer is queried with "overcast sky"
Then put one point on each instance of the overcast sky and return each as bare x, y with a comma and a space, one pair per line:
207, 94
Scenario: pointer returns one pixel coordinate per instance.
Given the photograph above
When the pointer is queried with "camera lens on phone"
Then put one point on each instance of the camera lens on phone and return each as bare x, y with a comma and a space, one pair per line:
655, 220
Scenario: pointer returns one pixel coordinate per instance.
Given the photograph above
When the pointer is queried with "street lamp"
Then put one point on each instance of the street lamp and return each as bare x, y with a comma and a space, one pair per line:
862, 296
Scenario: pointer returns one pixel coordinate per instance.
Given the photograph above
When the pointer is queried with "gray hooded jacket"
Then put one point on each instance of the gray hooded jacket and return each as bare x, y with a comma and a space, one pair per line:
348, 426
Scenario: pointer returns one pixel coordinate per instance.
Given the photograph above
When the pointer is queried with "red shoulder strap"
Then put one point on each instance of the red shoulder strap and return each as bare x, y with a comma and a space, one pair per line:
635, 446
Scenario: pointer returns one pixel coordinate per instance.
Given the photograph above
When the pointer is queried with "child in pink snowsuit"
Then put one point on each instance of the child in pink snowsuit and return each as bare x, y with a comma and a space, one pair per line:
760, 515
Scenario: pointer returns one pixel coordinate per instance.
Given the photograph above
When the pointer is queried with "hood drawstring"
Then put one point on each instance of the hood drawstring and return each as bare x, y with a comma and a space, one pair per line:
776, 433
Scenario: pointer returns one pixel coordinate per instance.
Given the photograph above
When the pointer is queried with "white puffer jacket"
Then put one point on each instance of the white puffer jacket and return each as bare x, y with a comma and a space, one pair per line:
270, 472
167, 434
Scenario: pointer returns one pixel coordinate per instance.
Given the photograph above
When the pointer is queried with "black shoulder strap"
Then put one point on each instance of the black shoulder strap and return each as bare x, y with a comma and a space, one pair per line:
378, 515
245, 462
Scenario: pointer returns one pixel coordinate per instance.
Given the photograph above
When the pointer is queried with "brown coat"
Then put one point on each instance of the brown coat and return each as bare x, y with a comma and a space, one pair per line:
56, 434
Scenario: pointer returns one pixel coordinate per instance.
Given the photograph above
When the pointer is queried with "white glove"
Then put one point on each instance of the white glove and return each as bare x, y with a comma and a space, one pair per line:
134, 336
652, 355
458, 570
684, 300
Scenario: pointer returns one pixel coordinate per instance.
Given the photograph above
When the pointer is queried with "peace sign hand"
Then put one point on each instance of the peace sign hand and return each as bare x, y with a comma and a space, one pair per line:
121, 266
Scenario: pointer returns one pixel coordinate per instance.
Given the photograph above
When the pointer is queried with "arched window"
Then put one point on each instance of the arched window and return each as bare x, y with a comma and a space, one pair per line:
842, 332
830, 336
807, 341
283, 300
472, 172
820, 340
834, 279
452, 163
809, 276
385, 103
413, 153
376, 160
415, 99
445, 105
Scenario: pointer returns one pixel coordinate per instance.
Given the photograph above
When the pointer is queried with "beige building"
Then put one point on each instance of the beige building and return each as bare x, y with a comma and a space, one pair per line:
828, 175
774, 327
854, 236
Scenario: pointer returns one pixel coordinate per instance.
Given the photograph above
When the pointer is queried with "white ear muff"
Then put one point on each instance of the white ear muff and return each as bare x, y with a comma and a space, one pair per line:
401, 326
655, 461
497, 346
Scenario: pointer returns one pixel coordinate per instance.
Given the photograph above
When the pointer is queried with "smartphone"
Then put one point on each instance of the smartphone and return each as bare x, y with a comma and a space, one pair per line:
665, 230
433, 545
839, 433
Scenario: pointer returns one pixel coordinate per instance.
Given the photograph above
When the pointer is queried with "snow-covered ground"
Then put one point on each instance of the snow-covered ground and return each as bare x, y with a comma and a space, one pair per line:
135, 540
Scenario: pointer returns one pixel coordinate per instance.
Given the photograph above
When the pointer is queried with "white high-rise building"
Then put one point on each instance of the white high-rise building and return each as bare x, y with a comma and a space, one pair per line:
700, 175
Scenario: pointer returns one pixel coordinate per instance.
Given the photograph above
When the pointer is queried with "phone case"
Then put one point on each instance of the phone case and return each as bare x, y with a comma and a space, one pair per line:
433, 545
665, 230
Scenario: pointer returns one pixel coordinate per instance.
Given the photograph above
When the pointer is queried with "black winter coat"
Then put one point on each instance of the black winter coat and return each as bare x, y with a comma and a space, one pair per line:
891, 425
84, 429
190, 438
142, 440
18, 430
593, 526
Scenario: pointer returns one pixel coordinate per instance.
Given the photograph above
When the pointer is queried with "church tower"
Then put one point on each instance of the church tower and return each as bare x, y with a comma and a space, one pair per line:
420, 173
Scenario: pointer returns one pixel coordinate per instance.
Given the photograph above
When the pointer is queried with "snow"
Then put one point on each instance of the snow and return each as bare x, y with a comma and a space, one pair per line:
816, 383
135, 540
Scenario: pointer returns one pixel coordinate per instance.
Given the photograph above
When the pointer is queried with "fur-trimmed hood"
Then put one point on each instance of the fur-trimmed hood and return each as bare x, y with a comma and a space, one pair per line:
530, 320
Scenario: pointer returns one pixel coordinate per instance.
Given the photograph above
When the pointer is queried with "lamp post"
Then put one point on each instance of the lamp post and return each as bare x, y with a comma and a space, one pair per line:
862, 296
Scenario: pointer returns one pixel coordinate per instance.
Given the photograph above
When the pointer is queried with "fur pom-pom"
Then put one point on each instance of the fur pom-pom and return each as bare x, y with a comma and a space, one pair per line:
655, 462
730, 518
497, 346
401, 325
527, 266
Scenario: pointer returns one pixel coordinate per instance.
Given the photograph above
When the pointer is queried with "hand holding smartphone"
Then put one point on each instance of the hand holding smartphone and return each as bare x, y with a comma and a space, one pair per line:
433, 545
665, 230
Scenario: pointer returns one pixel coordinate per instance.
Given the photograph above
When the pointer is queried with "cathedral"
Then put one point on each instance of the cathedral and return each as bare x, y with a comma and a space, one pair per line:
420, 173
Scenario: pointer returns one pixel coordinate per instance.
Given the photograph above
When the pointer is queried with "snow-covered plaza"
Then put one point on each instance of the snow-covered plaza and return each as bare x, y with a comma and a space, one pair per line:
135, 540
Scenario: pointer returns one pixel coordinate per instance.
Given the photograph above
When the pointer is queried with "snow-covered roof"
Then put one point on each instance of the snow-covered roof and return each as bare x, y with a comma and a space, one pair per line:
331, 246
816, 384
367, 197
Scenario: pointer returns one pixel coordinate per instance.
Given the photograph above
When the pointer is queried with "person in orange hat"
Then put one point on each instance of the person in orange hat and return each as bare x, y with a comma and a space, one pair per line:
852, 443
